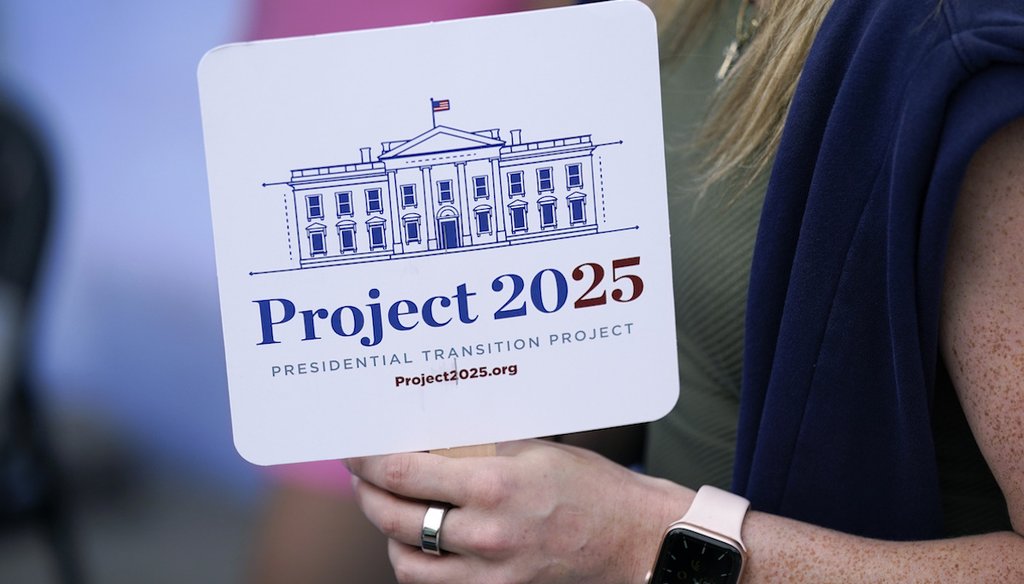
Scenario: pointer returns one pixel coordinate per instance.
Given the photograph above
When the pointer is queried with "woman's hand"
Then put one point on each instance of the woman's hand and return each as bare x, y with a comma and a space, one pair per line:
537, 512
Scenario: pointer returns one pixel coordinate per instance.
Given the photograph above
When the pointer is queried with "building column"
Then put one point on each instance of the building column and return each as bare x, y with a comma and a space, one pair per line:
298, 225
395, 211
594, 211
430, 222
499, 201
467, 219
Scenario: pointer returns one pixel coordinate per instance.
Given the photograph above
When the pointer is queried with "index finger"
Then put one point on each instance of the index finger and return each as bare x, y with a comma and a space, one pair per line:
418, 475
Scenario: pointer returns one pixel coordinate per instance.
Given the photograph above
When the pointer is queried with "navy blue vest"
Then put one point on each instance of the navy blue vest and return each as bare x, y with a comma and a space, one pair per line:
841, 347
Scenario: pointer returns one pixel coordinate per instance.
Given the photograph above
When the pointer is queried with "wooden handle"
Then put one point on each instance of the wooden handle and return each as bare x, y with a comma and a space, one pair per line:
468, 451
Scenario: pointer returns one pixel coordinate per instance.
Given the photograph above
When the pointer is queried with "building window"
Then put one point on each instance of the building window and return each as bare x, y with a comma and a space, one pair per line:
577, 209
375, 229
479, 187
574, 176
544, 182
374, 204
317, 244
548, 218
411, 226
515, 184
317, 239
483, 220
444, 191
347, 236
408, 195
344, 201
314, 207
517, 216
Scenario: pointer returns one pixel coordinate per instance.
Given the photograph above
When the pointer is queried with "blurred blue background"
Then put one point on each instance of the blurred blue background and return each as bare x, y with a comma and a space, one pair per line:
128, 328
126, 354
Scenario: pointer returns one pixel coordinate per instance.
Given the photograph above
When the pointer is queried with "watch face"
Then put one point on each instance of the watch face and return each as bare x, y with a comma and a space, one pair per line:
692, 558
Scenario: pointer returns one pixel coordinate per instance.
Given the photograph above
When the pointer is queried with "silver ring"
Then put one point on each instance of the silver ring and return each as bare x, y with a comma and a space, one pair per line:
430, 535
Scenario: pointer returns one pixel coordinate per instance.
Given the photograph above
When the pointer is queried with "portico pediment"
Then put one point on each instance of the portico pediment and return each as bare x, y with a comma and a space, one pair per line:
440, 140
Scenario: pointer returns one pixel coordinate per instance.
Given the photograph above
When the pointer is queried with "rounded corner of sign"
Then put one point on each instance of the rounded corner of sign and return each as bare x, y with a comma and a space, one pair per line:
641, 10
210, 58
665, 404
250, 455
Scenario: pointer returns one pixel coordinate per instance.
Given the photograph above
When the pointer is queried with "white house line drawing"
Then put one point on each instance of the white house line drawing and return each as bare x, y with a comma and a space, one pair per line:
443, 191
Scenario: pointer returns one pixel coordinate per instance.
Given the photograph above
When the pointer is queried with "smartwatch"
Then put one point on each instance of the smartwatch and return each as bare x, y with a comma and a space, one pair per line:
705, 546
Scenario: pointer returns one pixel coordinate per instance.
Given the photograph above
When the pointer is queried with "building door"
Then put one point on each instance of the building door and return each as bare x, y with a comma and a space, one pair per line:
577, 211
448, 229
377, 240
547, 214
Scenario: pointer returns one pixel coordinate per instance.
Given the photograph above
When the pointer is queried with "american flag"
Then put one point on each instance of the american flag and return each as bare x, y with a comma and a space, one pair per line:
440, 105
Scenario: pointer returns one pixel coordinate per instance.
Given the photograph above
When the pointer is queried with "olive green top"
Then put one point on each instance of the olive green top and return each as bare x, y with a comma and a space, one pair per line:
712, 246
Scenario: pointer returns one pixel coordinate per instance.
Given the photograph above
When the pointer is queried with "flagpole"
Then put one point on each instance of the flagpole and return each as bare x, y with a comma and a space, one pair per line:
433, 114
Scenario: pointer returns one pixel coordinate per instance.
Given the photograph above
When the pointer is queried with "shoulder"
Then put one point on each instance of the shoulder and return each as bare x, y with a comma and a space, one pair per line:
987, 237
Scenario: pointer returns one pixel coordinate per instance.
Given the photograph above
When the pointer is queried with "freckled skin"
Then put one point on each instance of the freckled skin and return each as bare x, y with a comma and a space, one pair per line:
548, 513
984, 302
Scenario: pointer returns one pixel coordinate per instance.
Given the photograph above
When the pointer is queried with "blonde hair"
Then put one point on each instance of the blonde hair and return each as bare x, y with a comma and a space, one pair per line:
744, 123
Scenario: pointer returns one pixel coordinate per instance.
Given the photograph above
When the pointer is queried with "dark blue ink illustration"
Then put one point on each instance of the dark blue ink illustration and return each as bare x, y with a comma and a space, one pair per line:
443, 191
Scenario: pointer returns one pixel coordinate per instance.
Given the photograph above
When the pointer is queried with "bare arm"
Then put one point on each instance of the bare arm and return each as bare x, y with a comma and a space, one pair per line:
983, 309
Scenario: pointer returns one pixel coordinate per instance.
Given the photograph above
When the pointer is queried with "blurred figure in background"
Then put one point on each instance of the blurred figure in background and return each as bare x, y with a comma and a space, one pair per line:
32, 492
125, 294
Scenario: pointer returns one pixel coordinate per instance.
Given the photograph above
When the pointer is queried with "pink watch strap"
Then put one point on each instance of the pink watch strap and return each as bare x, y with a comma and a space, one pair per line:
719, 511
